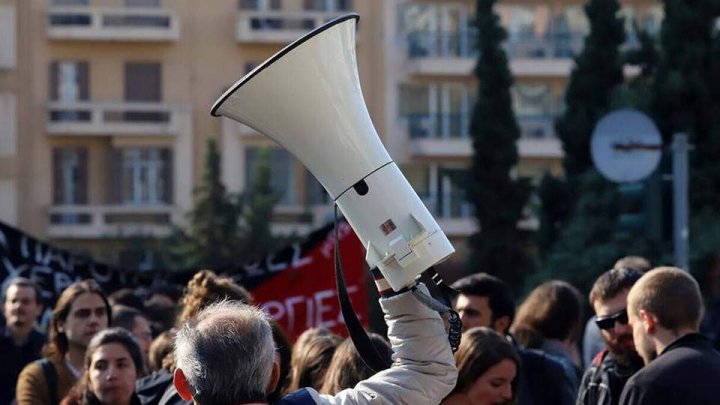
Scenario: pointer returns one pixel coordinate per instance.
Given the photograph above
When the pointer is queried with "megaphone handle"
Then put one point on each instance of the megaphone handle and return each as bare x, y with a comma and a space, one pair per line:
359, 336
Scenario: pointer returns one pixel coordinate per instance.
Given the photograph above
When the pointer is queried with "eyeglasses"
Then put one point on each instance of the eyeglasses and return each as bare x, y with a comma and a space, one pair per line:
608, 322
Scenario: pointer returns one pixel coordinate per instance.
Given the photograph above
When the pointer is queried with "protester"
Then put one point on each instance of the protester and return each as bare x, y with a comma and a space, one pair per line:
681, 366
127, 297
311, 356
160, 348
593, 342
347, 368
112, 364
550, 319
81, 311
423, 371
604, 380
204, 289
487, 369
137, 324
487, 301
20, 342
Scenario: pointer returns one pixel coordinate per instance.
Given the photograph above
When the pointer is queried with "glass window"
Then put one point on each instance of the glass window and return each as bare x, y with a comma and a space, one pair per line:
70, 176
439, 110
145, 175
282, 173
142, 3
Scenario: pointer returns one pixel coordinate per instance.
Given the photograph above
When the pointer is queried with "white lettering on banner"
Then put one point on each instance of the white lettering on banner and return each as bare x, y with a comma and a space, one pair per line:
11, 270
318, 312
297, 260
3, 240
62, 281
98, 276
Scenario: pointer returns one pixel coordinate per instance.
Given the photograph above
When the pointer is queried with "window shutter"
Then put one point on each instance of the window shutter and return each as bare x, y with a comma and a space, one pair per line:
115, 178
81, 182
53, 80
168, 175
57, 176
83, 80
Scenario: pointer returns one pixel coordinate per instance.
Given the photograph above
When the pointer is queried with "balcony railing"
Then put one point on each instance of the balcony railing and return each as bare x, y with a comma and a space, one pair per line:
551, 45
96, 221
278, 26
424, 44
113, 118
536, 126
446, 206
112, 24
439, 125
462, 45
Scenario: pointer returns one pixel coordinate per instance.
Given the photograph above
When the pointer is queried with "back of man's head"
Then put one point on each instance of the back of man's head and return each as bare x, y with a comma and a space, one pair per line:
613, 282
671, 295
226, 354
638, 263
500, 297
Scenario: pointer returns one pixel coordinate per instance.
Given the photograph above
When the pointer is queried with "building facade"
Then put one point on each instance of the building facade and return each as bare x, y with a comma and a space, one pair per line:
104, 105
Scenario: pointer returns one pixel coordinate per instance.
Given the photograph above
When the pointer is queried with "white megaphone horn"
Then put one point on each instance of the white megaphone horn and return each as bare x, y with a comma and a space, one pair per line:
307, 98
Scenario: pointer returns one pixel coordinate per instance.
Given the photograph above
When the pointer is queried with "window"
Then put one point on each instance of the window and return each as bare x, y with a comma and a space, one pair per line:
142, 175
142, 3
534, 108
440, 110
69, 80
282, 173
327, 5
434, 30
8, 39
70, 176
260, 5
70, 2
143, 81
437, 187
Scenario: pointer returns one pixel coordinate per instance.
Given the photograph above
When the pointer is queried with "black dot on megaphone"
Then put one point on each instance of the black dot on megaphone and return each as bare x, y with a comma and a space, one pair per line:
361, 187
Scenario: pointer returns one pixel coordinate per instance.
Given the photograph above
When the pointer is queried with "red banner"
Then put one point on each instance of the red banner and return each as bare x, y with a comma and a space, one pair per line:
302, 294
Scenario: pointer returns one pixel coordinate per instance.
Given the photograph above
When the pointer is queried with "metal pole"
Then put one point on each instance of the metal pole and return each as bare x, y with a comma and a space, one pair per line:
681, 233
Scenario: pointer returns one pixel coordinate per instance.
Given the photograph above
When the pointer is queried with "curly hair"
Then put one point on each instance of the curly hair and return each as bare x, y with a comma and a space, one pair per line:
206, 288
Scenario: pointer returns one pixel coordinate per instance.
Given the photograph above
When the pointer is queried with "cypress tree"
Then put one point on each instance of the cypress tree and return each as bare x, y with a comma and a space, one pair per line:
499, 247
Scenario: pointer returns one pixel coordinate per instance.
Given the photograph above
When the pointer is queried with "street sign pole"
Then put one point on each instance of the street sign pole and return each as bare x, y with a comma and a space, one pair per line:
681, 233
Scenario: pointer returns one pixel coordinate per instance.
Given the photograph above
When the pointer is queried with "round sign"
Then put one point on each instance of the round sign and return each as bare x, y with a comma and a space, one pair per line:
626, 146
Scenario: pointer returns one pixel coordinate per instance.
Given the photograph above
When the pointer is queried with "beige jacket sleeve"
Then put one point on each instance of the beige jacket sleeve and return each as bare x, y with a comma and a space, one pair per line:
423, 369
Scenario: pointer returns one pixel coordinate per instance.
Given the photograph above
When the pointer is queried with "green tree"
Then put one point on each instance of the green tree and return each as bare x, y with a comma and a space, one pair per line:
598, 70
687, 99
498, 199
260, 202
213, 238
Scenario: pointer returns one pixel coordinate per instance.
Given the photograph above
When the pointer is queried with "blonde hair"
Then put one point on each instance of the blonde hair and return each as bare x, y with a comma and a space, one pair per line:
671, 295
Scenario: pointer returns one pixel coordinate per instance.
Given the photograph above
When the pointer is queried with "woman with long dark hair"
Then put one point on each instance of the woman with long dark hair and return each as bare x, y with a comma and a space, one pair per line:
113, 362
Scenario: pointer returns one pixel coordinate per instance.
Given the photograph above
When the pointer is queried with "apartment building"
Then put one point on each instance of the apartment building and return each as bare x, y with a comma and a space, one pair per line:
104, 104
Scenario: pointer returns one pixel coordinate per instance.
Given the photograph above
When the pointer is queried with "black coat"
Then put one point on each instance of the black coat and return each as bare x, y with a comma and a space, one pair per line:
686, 372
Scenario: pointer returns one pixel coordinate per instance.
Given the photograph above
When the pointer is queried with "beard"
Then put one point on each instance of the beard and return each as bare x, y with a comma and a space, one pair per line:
622, 349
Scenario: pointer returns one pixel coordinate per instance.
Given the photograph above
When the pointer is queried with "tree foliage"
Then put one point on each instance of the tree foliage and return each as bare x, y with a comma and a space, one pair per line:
498, 199
223, 229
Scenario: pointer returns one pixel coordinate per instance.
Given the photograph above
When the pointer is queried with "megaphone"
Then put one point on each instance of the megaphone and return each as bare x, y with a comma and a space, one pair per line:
307, 98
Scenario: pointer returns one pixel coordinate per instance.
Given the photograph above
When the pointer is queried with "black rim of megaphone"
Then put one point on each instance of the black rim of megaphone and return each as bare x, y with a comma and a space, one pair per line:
280, 54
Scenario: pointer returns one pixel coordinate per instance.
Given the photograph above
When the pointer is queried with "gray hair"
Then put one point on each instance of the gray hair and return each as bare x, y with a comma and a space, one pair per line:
226, 353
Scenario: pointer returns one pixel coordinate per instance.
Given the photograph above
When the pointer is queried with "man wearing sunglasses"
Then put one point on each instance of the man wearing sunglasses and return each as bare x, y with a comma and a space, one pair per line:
604, 380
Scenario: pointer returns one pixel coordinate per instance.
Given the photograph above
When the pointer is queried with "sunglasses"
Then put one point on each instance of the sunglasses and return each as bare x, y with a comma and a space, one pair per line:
608, 322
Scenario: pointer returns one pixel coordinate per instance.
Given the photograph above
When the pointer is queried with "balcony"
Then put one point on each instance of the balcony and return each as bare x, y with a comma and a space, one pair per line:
114, 118
439, 134
112, 221
278, 26
452, 212
84, 23
447, 135
454, 53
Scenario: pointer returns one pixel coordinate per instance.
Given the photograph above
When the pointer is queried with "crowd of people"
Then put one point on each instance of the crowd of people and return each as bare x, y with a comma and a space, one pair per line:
211, 345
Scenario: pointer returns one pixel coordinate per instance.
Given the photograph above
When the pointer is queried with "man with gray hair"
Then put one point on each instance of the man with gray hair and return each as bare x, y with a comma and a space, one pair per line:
226, 356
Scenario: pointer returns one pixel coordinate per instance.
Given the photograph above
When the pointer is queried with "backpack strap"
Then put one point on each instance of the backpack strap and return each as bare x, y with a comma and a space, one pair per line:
51, 379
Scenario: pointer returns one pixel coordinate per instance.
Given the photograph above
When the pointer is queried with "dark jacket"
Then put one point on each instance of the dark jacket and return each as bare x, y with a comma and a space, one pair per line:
14, 359
686, 372
158, 389
543, 380
604, 380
